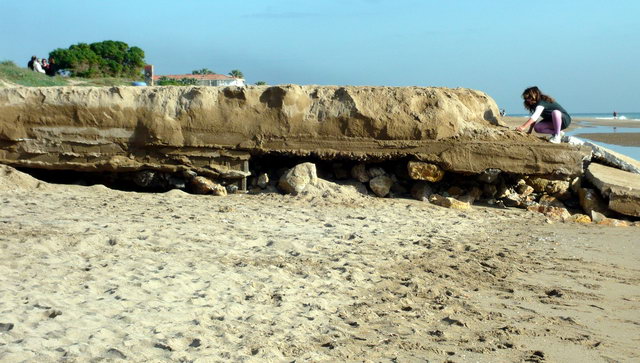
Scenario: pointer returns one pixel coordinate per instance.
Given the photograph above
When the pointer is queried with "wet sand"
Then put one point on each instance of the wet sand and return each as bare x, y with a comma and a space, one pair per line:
91, 274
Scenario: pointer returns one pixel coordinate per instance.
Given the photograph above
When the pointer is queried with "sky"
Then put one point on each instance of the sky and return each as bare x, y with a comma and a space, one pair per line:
585, 53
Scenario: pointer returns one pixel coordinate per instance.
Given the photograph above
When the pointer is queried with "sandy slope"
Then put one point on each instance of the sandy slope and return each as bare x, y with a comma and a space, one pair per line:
88, 273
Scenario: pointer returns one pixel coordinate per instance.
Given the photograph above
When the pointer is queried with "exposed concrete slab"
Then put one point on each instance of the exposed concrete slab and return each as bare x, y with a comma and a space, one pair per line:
87, 128
622, 188
606, 156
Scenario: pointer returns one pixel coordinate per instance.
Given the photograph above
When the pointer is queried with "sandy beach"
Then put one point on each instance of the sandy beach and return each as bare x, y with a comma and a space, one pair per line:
93, 274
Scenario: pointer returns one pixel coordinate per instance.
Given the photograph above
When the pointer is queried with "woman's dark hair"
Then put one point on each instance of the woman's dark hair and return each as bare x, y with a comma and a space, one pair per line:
532, 96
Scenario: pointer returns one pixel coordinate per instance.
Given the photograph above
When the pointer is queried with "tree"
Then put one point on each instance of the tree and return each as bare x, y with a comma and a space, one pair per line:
260, 83
203, 71
165, 81
108, 58
236, 74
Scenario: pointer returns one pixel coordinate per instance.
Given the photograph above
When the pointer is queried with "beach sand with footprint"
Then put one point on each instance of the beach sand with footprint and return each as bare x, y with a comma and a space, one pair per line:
89, 273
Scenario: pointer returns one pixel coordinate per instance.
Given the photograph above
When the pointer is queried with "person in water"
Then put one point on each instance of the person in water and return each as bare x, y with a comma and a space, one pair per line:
550, 116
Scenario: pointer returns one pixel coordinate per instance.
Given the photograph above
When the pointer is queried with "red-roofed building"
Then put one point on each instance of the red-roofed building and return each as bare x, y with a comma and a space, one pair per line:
206, 79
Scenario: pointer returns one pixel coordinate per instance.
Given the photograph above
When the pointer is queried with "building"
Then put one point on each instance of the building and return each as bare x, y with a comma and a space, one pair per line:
207, 79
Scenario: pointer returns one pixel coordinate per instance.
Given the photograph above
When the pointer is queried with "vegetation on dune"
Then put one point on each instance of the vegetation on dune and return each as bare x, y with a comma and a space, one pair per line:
103, 59
10, 72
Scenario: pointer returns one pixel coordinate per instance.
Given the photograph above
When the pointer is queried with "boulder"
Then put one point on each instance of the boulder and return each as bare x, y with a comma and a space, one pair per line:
590, 200
381, 185
202, 185
621, 188
579, 218
421, 191
359, 172
263, 180
424, 171
296, 179
448, 202
376, 172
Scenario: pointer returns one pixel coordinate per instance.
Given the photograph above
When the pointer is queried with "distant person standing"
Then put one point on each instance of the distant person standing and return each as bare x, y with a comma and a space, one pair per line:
553, 118
31, 61
615, 114
53, 68
503, 112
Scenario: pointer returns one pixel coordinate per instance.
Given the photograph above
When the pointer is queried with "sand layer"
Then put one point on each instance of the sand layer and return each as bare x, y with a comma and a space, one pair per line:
88, 273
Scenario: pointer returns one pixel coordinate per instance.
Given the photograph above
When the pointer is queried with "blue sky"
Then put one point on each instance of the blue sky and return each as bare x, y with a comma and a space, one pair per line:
584, 53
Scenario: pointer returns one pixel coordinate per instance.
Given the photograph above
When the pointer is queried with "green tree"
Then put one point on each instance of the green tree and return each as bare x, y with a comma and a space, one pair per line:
108, 58
203, 71
165, 81
236, 74
260, 83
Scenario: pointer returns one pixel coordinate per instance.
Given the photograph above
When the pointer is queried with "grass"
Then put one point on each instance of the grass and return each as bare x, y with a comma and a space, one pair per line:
10, 72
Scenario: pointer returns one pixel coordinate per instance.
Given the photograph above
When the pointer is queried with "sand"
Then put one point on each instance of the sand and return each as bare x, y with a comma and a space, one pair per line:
93, 274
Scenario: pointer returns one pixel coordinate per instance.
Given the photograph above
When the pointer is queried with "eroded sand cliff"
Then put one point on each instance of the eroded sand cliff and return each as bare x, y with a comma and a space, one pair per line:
216, 130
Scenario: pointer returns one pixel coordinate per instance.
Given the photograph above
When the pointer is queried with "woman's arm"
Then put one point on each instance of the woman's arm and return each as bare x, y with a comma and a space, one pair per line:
532, 119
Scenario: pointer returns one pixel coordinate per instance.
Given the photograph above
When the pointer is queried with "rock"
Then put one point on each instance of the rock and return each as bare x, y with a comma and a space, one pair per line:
580, 218
424, 171
539, 184
263, 180
622, 188
590, 200
597, 217
523, 189
575, 185
455, 191
558, 188
296, 179
471, 196
144, 178
448, 202
613, 222
340, 171
489, 176
553, 213
489, 191
550, 201
381, 185
512, 200
359, 172
421, 191
202, 185
6, 326
375, 172
232, 188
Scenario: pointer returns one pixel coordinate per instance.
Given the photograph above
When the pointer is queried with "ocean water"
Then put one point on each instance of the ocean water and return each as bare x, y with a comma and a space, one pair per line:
609, 116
